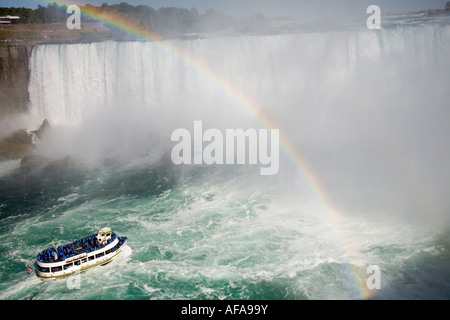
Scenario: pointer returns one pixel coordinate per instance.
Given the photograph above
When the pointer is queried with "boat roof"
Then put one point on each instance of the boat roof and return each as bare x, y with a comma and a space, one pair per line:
106, 230
75, 243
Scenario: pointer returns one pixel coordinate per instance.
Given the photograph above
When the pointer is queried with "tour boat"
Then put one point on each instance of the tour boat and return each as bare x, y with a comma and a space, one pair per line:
95, 250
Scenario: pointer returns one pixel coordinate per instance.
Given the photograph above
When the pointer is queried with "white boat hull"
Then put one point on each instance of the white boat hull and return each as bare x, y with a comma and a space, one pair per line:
82, 259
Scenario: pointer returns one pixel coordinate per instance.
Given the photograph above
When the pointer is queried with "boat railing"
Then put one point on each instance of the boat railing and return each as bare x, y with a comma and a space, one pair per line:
83, 245
120, 243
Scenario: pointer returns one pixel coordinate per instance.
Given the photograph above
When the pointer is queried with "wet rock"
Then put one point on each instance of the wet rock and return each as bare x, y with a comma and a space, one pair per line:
33, 162
21, 142
16, 145
66, 162
45, 126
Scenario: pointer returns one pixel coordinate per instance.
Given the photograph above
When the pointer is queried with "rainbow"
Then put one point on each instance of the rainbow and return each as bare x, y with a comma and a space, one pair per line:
304, 169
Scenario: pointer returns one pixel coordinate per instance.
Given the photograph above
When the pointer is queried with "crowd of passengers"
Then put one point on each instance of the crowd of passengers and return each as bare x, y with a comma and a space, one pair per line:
56, 269
79, 246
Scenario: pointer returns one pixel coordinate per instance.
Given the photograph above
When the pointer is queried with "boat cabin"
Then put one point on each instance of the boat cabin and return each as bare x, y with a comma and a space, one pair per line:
104, 235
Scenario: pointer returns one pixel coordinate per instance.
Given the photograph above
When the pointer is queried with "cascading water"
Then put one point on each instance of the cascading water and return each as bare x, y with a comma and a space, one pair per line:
363, 117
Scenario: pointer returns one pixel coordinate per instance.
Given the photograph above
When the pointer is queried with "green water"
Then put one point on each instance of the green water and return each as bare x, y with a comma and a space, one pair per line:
201, 233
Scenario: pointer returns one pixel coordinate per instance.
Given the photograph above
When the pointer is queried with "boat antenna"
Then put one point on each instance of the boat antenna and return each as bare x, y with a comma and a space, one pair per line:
55, 253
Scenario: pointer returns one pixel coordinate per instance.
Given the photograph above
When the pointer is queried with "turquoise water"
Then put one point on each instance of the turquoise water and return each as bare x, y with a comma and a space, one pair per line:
196, 233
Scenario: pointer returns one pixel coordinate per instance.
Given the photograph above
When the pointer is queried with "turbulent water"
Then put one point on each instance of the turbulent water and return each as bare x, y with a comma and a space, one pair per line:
363, 179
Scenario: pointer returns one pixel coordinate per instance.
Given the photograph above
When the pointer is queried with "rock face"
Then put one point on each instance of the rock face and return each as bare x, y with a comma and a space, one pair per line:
42, 129
20, 145
21, 142
16, 145
14, 77
33, 163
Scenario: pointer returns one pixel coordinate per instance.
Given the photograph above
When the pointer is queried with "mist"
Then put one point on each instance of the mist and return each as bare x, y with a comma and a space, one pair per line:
366, 110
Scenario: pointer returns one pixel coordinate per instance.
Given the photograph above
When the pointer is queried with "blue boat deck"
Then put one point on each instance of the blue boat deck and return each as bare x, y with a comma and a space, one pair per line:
83, 245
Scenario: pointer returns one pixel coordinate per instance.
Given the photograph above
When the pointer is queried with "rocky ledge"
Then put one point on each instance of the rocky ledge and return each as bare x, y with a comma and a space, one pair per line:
21, 142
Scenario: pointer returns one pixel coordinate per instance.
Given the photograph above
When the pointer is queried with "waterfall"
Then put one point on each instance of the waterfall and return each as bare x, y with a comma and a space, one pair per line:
368, 108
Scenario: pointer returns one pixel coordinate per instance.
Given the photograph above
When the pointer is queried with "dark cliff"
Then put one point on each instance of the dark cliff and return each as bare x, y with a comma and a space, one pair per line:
14, 77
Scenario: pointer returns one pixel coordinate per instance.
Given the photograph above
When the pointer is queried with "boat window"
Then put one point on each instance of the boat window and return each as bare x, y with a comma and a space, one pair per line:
77, 263
66, 266
56, 269
99, 255
43, 269
83, 260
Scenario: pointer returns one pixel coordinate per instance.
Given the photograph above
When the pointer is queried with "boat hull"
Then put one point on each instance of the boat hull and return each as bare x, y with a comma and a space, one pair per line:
83, 266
